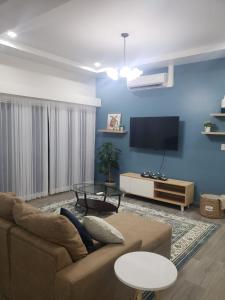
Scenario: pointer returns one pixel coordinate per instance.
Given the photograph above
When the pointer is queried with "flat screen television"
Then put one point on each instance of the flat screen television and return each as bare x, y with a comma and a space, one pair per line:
159, 133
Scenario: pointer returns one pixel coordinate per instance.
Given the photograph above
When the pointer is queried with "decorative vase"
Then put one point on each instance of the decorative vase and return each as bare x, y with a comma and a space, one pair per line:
207, 129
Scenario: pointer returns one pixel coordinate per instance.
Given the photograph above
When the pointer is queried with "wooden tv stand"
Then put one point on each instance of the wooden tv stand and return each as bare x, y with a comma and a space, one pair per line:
171, 191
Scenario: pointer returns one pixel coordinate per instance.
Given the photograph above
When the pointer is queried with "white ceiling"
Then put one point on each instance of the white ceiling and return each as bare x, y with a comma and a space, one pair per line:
85, 31
15, 13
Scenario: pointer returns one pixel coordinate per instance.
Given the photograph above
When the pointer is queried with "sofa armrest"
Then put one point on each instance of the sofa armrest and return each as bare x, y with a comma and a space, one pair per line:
34, 264
93, 277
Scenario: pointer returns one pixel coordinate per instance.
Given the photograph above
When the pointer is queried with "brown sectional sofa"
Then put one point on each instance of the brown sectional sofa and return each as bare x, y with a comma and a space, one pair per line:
5, 227
35, 269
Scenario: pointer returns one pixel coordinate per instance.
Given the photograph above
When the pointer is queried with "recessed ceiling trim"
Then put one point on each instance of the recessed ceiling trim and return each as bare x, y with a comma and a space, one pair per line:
176, 58
40, 53
46, 55
188, 56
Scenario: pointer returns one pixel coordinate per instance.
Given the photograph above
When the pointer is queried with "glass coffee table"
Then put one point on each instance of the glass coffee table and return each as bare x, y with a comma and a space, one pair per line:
88, 191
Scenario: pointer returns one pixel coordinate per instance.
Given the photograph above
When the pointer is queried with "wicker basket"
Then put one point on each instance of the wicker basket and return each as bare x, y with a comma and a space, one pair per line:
210, 207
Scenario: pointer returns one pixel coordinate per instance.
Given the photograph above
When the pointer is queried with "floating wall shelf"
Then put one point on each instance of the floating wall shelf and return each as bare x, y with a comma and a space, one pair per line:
112, 131
218, 115
214, 133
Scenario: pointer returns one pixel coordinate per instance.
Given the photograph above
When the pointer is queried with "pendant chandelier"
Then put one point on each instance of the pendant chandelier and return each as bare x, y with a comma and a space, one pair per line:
125, 71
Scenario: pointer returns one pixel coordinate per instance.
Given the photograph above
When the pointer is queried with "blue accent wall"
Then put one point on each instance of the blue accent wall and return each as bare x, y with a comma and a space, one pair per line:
198, 90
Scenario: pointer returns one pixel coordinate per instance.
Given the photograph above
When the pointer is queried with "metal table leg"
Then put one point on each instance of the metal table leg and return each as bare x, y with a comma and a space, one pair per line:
86, 205
77, 197
85, 202
119, 200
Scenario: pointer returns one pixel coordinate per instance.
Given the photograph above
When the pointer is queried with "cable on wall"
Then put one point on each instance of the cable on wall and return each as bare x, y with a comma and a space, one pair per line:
163, 161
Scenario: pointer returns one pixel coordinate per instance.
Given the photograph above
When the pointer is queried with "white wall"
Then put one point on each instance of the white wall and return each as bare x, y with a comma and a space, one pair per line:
26, 78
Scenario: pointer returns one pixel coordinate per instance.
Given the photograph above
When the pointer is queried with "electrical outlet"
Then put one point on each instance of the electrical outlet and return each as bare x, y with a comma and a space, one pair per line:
223, 147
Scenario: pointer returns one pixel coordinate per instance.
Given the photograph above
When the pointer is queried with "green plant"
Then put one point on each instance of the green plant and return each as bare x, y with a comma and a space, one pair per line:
208, 124
108, 156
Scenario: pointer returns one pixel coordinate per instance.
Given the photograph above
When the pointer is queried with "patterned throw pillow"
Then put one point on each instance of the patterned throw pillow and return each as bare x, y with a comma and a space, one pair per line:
102, 231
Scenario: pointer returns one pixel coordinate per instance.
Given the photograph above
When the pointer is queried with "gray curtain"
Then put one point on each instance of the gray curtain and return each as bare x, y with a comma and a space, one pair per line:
71, 145
23, 147
44, 146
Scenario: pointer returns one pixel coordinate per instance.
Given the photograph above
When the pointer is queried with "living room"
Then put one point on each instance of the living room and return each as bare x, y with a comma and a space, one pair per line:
112, 150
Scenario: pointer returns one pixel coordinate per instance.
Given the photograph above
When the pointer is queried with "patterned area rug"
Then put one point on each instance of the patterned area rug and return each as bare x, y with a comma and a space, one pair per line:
188, 234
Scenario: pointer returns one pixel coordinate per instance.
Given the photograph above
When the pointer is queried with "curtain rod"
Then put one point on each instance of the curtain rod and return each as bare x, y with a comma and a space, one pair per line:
39, 101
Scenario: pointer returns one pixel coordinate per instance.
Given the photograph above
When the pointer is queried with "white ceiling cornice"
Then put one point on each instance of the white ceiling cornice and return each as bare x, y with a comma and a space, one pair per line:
38, 53
176, 58
187, 56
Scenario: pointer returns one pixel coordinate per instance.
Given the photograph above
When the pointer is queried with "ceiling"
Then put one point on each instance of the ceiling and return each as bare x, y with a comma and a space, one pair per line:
16, 13
81, 32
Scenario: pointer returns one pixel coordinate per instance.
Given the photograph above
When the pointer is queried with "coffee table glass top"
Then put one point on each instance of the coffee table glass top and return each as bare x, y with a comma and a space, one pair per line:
98, 189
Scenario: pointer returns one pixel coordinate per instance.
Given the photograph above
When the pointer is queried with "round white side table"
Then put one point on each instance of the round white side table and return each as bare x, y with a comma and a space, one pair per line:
145, 271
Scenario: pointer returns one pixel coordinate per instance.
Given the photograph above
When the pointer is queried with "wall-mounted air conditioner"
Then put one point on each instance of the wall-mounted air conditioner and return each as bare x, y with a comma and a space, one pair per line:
160, 80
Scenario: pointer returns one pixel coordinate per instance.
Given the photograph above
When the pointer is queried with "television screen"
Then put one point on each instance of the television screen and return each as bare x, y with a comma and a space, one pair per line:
159, 133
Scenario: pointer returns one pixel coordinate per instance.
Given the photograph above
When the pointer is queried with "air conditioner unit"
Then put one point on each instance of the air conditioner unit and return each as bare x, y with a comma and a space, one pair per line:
160, 80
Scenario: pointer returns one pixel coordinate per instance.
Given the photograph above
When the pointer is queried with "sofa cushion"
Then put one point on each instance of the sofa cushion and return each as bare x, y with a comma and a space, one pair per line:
153, 234
54, 228
102, 231
85, 236
7, 201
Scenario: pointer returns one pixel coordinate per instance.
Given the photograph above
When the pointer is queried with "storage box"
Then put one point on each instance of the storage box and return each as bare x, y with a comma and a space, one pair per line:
210, 206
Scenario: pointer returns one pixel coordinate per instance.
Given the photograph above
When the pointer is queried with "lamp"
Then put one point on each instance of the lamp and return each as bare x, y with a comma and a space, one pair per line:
125, 71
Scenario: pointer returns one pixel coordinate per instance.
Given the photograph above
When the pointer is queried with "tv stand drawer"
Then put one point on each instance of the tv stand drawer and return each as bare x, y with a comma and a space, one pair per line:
139, 187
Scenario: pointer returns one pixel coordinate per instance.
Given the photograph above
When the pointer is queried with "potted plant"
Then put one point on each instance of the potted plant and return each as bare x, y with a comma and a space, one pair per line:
108, 156
208, 126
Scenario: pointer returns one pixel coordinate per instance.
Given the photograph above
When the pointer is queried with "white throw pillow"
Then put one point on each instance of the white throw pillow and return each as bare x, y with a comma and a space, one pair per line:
102, 231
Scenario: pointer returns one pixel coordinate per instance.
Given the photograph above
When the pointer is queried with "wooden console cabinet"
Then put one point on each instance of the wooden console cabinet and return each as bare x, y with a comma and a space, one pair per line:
172, 191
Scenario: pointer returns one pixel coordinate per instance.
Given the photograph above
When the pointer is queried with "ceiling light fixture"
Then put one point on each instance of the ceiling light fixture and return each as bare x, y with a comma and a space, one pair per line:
125, 71
12, 34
